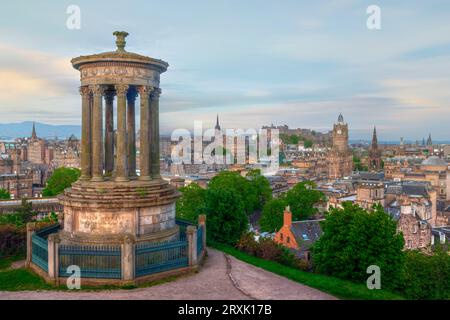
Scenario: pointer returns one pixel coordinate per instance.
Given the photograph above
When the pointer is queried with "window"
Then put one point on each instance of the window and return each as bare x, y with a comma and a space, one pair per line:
409, 244
281, 236
288, 239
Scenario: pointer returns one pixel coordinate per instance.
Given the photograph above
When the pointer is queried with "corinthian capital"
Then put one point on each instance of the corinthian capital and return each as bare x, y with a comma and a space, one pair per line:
144, 91
97, 89
155, 93
85, 91
121, 89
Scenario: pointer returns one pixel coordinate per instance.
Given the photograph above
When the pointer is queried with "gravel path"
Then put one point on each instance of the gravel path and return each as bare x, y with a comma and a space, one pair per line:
222, 277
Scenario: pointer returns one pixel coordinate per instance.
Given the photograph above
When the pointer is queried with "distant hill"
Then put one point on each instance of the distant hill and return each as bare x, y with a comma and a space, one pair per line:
43, 130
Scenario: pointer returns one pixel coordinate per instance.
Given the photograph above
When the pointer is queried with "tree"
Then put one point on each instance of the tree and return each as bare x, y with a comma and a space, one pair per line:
4, 194
242, 188
308, 144
354, 239
191, 203
272, 215
226, 218
302, 199
427, 276
261, 185
61, 179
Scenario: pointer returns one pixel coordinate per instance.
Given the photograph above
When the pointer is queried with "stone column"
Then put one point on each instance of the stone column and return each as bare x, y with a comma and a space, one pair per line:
53, 255
31, 227
128, 257
131, 133
191, 233
154, 136
86, 138
144, 133
97, 134
109, 132
121, 155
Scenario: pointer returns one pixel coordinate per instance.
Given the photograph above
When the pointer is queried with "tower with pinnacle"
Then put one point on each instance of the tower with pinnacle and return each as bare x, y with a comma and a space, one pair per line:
374, 153
340, 158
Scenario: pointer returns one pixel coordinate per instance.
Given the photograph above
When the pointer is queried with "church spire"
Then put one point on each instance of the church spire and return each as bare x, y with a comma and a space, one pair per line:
429, 141
217, 127
33, 132
340, 118
374, 137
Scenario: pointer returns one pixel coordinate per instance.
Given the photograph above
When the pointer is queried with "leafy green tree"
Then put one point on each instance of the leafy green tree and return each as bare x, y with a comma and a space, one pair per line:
354, 239
427, 276
308, 144
262, 186
242, 188
272, 215
191, 203
4, 194
226, 217
302, 199
61, 179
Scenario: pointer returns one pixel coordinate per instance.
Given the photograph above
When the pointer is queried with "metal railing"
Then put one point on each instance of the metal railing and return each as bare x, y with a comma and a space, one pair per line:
151, 259
94, 261
199, 240
39, 252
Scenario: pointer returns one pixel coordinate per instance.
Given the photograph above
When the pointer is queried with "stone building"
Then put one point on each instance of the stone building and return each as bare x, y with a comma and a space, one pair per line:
298, 235
433, 170
370, 193
38, 151
374, 153
18, 185
340, 158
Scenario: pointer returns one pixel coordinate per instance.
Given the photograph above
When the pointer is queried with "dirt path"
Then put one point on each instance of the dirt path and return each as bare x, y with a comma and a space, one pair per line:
222, 277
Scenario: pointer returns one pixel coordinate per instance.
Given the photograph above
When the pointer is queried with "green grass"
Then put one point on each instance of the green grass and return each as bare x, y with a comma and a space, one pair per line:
21, 279
25, 279
339, 288
5, 262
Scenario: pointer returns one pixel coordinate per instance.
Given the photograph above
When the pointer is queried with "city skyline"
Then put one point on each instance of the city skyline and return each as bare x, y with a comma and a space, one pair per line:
296, 64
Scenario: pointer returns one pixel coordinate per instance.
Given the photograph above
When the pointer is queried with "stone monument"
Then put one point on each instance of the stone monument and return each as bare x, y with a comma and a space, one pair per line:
112, 199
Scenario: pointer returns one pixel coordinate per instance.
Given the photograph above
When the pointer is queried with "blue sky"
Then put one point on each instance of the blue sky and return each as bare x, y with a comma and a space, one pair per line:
253, 62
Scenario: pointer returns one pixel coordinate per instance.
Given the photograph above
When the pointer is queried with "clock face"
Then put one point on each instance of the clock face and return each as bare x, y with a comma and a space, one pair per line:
339, 131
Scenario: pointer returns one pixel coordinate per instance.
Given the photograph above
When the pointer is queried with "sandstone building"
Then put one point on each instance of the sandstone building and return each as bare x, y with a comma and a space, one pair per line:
340, 158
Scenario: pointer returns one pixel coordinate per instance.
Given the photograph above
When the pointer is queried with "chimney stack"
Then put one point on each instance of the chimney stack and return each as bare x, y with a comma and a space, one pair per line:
287, 217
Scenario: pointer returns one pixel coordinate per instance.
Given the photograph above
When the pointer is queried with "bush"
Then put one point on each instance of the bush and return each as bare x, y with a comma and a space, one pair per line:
427, 277
269, 250
12, 240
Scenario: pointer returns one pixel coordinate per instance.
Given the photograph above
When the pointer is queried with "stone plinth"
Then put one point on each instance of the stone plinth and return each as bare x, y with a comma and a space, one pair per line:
103, 212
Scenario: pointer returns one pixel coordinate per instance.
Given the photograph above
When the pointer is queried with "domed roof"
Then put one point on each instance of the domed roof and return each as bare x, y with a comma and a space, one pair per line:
434, 161
120, 55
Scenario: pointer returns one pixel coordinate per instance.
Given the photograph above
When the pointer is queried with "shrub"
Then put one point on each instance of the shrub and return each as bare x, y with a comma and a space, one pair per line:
427, 277
12, 240
269, 250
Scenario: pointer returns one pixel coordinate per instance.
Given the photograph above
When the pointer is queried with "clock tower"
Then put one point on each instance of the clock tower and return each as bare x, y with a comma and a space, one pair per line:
340, 158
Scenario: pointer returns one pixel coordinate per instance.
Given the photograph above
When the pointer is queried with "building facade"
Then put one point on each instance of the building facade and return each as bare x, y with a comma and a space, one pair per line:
340, 158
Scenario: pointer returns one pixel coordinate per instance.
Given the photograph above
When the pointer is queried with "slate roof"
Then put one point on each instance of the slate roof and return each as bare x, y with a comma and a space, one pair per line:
411, 190
306, 232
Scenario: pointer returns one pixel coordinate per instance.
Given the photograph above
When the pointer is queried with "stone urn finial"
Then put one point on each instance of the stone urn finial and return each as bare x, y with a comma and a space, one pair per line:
120, 39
